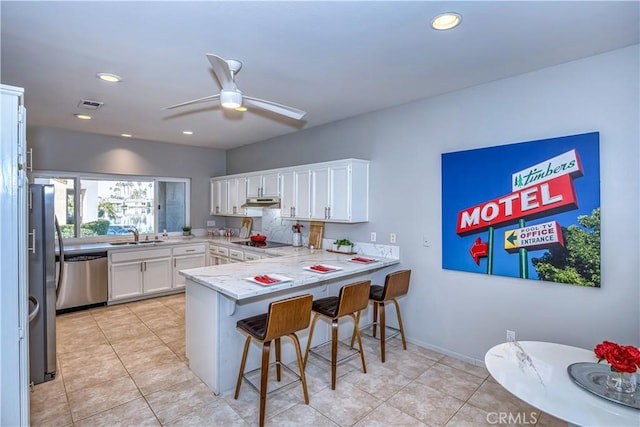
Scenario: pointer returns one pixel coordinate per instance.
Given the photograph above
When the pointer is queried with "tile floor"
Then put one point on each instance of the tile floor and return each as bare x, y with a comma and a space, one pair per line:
125, 365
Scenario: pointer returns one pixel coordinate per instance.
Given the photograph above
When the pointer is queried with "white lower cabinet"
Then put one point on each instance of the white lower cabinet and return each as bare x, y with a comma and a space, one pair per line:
185, 257
136, 273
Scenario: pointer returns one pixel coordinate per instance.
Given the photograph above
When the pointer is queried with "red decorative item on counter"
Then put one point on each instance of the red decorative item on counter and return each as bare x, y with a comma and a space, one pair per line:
258, 238
622, 358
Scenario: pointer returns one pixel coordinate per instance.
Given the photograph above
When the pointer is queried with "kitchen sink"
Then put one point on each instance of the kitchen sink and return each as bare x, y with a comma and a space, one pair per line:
141, 242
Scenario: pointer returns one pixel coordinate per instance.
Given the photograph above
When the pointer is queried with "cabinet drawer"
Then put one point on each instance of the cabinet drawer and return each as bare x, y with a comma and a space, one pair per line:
135, 255
250, 256
237, 255
219, 250
189, 250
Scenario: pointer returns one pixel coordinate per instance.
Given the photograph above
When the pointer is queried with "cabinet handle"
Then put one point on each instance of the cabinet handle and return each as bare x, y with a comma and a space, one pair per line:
329, 212
217, 209
235, 209
29, 166
141, 267
175, 262
190, 250
33, 241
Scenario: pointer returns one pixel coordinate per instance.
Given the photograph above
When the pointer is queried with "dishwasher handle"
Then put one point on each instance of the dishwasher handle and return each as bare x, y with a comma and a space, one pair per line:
85, 257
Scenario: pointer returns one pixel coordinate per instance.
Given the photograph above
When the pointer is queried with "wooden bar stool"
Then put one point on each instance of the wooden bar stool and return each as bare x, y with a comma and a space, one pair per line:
395, 285
352, 299
284, 318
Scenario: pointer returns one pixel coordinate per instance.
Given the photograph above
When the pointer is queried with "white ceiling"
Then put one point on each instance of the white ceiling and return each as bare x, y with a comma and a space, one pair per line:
332, 59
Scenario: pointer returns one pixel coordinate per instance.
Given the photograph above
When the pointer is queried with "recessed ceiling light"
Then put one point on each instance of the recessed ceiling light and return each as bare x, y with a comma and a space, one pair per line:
83, 116
241, 108
446, 21
125, 135
108, 77
187, 132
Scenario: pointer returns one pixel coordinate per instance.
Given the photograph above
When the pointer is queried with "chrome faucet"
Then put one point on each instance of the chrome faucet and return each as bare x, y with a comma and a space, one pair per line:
134, 230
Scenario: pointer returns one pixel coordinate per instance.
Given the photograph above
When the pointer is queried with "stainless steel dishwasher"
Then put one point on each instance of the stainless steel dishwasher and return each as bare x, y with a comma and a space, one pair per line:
84, 281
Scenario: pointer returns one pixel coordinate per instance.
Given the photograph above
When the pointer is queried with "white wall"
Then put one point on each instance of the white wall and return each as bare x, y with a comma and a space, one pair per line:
59, 150
463, 313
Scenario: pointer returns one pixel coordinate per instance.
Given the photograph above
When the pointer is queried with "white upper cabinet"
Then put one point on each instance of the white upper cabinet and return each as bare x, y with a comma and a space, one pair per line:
219, 196
336, 191
340, 192
237, 196
263, 184
295, 194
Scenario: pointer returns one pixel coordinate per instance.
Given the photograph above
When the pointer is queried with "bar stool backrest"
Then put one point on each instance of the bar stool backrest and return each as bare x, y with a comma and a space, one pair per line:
288, 315
396, 284
353, 298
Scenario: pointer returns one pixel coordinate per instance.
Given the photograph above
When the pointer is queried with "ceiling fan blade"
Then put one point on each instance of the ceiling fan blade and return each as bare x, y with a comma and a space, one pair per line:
283, 110
222, 71
193, 101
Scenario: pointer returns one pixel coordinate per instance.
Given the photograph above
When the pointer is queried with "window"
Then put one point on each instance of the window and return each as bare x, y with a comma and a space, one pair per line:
90, 206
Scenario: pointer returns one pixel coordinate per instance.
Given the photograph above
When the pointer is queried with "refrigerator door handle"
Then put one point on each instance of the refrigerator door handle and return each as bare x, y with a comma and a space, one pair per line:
61, 255
33, 241
36, 308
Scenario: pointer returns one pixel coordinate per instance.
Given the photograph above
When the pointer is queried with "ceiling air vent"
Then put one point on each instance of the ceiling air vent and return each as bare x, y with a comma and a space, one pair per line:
89, 104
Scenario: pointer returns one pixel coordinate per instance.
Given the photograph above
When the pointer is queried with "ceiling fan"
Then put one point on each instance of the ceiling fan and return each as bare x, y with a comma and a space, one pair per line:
231, 97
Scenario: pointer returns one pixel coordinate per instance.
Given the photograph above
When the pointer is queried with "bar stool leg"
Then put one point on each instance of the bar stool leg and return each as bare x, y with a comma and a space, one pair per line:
264, 375
242, 363
303, 378
278, 368
306, 353
334, 352
404, 342
375, 317
382, 331
356, 332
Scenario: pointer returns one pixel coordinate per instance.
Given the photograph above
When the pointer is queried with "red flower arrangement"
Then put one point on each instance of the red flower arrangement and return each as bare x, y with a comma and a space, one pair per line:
622, 358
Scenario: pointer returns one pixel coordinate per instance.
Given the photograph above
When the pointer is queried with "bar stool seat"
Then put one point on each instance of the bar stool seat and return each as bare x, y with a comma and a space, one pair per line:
396, 284
284, 318
352, 299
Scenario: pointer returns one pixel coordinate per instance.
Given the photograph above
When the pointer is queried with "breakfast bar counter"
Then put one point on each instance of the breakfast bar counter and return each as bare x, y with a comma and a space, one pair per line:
218, 296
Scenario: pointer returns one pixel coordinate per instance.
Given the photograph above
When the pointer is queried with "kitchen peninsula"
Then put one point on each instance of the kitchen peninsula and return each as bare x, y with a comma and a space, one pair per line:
218, 296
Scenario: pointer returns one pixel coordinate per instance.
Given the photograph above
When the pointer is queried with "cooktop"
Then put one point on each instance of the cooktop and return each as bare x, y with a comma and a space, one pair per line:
262, 245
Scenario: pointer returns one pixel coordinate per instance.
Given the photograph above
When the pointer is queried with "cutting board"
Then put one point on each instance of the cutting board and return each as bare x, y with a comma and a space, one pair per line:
316, 232
245, 228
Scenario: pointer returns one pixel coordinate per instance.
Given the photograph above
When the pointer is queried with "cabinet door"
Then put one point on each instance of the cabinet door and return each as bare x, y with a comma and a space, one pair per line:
219, 197
235, 193
287, 195
254, 186
126, 280
302, 207
270, 185
157, 275
319, 193
184, 263
339, 193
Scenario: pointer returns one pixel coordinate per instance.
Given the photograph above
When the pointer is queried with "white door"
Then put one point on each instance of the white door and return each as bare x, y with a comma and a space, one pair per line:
254, 186
270, 185
319, 193
287, 194
14, 324
339, 193
157, 276
219, 197
126, 279
184, 263
302, 198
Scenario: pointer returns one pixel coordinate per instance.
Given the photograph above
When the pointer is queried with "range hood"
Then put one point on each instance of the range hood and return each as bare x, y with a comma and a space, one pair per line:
262, 202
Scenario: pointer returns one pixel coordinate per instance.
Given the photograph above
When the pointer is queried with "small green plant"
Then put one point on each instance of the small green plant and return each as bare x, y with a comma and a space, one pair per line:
186, 230
342, 242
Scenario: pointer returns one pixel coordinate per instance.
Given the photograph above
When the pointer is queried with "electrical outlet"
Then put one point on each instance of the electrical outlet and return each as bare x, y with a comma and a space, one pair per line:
392, 238
211, 223
511, 336
373, 236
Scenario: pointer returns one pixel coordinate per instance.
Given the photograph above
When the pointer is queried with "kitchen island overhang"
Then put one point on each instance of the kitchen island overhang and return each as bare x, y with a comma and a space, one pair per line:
218, 296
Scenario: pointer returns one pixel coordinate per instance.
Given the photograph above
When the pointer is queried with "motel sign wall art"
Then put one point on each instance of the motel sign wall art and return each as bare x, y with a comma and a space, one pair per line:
529, 210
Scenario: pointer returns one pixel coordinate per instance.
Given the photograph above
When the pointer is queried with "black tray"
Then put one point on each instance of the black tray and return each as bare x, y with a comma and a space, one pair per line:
593, 378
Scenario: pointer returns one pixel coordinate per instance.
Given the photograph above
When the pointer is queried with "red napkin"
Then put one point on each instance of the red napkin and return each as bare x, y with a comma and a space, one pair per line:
265, 279
359, 259
321, 268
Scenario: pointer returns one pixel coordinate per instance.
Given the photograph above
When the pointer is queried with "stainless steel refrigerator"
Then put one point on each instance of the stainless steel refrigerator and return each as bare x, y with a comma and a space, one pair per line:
42, 283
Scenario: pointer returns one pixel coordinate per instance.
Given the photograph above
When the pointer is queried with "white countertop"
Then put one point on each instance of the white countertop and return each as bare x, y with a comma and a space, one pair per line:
230, 279
75, 248
536, 372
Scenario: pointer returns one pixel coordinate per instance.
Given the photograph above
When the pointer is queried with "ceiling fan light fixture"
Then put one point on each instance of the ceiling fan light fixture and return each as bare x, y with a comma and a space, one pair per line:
241, 108
108, 77
82, 116
231, 98
446, 21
